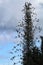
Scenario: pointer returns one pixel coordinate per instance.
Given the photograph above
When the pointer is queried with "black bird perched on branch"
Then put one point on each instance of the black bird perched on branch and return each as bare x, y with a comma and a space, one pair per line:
27, 5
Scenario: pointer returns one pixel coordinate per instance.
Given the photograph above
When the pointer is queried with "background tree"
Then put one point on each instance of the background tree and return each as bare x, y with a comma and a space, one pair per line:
41, 50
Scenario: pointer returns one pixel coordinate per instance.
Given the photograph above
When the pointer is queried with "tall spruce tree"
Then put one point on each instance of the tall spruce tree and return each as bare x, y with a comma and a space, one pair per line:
28, 35
31, 54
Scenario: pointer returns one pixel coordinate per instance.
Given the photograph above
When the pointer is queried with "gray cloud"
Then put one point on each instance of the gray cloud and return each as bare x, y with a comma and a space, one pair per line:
41, 4
8, 15
8, 24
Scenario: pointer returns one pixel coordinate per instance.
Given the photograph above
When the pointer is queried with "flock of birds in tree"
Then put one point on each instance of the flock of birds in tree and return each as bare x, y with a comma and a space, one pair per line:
20, 31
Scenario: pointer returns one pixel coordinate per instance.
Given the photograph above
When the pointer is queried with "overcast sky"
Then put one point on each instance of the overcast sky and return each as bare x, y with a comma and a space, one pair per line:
10, 15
